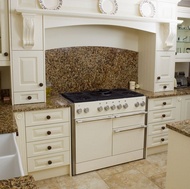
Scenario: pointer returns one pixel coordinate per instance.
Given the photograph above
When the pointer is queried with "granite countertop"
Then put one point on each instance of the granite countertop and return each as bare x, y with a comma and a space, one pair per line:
182, 127
176, 92
25, 182
7, 120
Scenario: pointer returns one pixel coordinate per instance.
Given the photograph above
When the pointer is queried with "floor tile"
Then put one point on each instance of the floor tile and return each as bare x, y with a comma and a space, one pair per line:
159, 180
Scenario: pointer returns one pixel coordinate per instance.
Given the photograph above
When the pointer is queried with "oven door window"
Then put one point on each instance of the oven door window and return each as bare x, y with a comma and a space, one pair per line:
93, 140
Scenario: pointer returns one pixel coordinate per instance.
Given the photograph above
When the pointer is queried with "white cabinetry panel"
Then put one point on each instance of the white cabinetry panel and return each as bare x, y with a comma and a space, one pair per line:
185, 107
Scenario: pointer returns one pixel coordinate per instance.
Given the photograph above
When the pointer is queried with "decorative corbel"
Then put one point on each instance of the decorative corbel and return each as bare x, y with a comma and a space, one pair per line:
28, 30
172, 29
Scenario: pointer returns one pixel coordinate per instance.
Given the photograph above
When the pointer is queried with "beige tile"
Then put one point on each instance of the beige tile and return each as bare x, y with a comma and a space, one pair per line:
131, 179
159, 180
48, 184
84, 181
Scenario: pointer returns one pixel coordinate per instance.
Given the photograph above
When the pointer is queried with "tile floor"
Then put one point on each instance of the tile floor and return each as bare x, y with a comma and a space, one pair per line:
142, 174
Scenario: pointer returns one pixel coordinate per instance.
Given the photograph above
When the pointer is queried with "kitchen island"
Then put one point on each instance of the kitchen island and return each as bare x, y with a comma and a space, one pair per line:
178, 161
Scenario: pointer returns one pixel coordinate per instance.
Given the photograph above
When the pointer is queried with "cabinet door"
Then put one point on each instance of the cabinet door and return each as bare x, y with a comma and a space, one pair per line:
185, 107
164, 66
4, 42
28, 71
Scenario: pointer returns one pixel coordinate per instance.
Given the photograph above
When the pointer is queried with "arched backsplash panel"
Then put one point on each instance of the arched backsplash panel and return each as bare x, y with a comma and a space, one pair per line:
75, 69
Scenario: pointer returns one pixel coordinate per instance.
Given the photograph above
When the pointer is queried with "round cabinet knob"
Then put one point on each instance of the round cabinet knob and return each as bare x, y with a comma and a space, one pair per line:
113, 107
48, 117
106, 108
137, 104
6, 54
119, 106
41, 84
79, 111
143, 103
165, 87
86, 110
48, 132
162, 139
163, 128
49, 162
49, 147
100, 108
163, 115
164, 103
125, 106
29, 97
158, 78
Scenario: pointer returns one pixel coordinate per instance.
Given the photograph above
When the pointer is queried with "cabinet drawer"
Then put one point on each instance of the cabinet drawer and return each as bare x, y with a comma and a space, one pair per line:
157, 140
129, 120
161, 103
47, 116
47, 162
166, 86
159, 128
162, 115
47, 132
29, 97
47, 147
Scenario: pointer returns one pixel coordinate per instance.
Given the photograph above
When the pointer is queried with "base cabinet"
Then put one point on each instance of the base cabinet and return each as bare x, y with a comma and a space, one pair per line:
185, 107
160, 111
45, 142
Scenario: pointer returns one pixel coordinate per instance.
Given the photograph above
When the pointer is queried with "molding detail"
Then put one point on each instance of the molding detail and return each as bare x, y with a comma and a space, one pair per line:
28, 30
171, 34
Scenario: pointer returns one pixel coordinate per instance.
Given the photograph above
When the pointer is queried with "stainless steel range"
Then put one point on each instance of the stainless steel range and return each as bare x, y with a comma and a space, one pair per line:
107, 128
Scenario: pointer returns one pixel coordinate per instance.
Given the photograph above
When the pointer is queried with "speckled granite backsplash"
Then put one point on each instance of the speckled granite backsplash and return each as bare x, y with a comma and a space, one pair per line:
90, 68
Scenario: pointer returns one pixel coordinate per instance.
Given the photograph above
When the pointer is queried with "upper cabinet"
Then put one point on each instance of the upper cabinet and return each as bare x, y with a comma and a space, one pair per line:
183, 35
4, 34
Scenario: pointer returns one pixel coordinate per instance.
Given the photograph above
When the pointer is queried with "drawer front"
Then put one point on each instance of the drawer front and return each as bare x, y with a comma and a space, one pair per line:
47, 147
157, 140
29, 97
46, 162
166, 86
129, 121
159, 128
161, 103
162, 115
47, 116
47, 132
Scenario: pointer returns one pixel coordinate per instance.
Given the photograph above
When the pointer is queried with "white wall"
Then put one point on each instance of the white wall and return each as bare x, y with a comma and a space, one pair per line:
94, 35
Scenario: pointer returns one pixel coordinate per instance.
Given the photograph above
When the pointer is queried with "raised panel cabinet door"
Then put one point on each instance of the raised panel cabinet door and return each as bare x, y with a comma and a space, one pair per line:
4, 33
28, 71
185, 108
165, 63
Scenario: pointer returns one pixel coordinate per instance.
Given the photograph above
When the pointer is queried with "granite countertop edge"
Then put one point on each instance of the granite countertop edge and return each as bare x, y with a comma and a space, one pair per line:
182, 127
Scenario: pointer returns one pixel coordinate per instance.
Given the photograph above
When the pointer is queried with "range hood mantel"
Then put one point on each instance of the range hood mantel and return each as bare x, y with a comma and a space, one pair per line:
54, 19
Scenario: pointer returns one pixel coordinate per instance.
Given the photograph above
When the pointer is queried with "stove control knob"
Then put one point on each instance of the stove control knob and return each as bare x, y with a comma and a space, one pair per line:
119, 106
100, 108
113, 107
79, 111
125, 106
86, 110
137, 104
106, 108
143, 103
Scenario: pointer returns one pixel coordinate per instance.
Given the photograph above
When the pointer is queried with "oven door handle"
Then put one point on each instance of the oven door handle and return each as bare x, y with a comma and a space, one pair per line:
129, 129
94, 119
129, 114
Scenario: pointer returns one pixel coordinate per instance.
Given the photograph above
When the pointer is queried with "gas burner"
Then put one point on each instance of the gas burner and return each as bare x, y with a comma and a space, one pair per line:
99, 95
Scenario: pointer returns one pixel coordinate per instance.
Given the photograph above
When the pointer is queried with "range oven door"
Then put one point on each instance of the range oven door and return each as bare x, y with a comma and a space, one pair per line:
93, 140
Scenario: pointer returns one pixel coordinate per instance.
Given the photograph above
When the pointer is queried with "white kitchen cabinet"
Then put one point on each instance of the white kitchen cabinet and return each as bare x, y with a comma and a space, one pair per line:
185, 107
155, 67
44, 142
28, 77
4, 33
160, 112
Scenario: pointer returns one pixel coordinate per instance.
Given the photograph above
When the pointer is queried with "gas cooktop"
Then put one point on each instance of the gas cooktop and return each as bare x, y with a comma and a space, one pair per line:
103, 94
